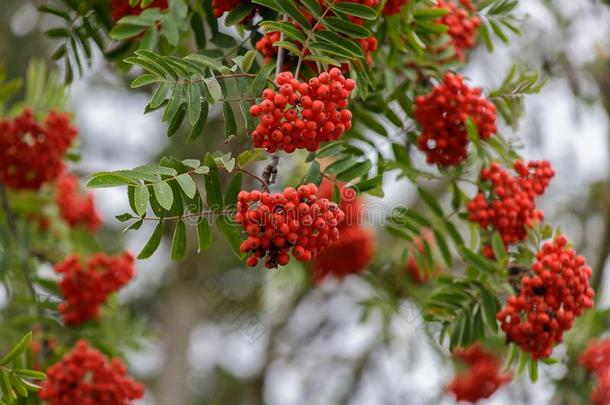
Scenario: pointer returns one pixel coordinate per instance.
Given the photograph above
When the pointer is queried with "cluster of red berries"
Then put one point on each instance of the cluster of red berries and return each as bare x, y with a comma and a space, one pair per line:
421, 276
550, 298
121, 8
442, 115
354, 249
462, 26
596, 360
482, 377
302, 115
220, 6
265, 45
294, 219
510, 206
75, 208
86, 289
85, 376
30, 152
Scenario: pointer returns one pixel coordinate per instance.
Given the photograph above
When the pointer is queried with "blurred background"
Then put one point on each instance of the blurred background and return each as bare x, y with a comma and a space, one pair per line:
221, 333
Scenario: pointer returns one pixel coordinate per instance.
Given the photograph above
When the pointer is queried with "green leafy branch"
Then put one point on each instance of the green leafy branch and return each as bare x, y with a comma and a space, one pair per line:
508, 98
188, 86
172, 194
497, 16
15, 378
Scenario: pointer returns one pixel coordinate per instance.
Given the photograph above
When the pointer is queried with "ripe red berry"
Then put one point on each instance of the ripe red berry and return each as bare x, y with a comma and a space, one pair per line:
86, 376
31, 153
321, 118
442, 116
76, 209
596, 360
510, 205
461, 25
295, 220
553, 293
482, 376
85, 289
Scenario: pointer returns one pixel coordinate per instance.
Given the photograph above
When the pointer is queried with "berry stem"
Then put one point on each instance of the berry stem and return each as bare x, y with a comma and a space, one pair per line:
264, 183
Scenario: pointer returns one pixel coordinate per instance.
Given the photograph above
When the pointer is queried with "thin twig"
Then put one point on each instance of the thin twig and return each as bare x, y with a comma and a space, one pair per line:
280, 52
306, 44
264, 183
195, 215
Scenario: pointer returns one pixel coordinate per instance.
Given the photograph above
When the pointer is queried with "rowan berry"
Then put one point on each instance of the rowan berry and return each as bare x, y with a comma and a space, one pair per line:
509, 206
314, 108
596, 360
31, 153
76, 209
393, 6
552, 294
85, 289
442, 116
294, 220
461, 25
85, 376
482, 377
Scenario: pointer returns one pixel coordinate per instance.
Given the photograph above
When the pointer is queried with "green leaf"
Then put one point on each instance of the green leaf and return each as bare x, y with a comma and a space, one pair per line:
313, 174
475, 260
197, 129
260, 81
249, 156
232, 234
233, 189
194, 105
187, 184
164, 195
442, 245
357, 10
123, 31
490, 308
533, 369
159, 95
212, 185
358, 170
214, 89
229, 118
179, 241
431, 202
238, 14
18, 349
153, 242
109, 179
314, 7
144, 79
204, 234
348, 28
294, 12
140, 197
498, 246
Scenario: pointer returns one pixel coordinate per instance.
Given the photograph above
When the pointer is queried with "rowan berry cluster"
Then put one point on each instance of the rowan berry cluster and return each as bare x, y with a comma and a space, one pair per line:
421, 276
462, 26
265, 45
303, 115
86, 377
121, 8
75, 208
220, 6
482, 377
31, 152
85, 289
550, 298
393, 6
596, 360
510, 206
442, 115
294, 220
354, 249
